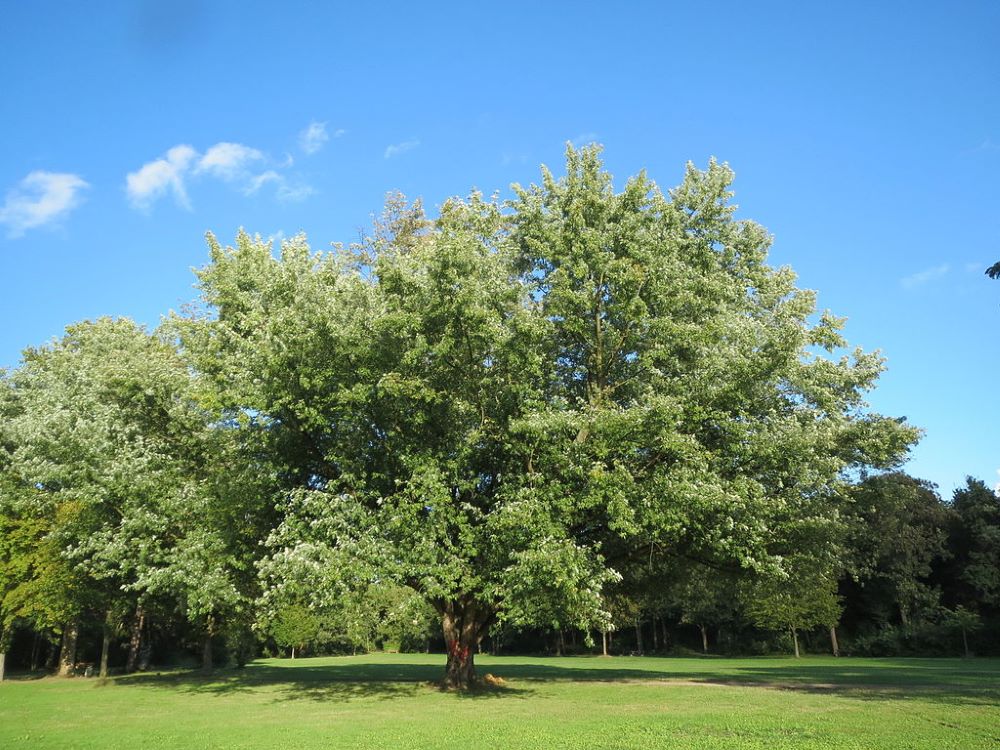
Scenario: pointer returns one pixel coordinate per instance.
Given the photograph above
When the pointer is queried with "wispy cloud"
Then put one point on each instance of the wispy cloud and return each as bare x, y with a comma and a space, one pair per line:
400, 148
926, 276
40, 198
293, 192
314, 137
245, 168
155, 179
228, 161
583, 139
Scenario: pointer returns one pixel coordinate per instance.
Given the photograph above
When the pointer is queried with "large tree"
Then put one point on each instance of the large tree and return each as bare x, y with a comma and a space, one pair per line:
491, 407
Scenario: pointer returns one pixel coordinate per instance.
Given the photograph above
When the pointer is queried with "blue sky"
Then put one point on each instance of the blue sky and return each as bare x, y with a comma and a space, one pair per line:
864, 136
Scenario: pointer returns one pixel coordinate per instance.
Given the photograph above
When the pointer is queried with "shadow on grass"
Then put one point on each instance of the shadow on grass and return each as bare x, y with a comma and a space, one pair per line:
940, 681
343, 682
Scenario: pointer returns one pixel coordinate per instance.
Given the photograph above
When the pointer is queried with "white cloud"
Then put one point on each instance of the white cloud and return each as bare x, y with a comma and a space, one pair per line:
925, 276
583, 139
228, 161
400, 148
258, 181
314, 136
39, 199
339, 133
155, 178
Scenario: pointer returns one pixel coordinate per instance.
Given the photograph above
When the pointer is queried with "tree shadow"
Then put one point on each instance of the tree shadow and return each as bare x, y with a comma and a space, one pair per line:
337, 682
939, 681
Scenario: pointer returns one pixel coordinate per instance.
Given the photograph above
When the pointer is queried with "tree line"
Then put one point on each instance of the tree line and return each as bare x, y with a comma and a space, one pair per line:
578, 414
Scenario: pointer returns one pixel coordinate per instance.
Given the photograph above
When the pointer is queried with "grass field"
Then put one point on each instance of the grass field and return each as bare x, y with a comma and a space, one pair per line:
389, 701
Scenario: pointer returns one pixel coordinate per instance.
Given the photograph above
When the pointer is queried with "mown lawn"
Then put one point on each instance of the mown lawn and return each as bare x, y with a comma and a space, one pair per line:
389, 701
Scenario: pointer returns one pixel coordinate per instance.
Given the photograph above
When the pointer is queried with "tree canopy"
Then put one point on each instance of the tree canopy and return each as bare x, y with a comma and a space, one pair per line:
492, 406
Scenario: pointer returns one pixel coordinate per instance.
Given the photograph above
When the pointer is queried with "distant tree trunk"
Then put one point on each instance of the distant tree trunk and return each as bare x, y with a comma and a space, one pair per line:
666, 637
463, 622
135, 639
656, 645
965, 643
5, 638
833, 640
51, 654
36, 649
904, 616
795, 640
560, 643
67, 655
704, 638
206, 644
604, 642
638, 636
105, 644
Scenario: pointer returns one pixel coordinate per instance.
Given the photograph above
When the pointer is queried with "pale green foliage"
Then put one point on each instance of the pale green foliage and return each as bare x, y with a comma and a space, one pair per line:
110, 439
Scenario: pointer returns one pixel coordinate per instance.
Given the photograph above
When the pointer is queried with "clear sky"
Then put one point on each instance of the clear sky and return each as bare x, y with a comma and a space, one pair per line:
865, 136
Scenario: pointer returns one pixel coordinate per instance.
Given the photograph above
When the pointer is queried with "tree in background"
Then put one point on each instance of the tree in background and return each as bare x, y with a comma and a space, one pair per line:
974, 542
803, 597
898, 532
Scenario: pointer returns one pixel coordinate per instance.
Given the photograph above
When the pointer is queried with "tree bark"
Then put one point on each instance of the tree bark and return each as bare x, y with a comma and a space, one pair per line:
656, 646
50, 656
833, 640
795, 640
463, 621
36, 648
206, 644
638, 636
3, 663
704, 638
965, 643
293, 652
105, 645
67, 655
135, 639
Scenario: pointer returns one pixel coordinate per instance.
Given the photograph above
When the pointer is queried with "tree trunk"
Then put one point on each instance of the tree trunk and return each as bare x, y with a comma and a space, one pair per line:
293, 652
795, 640
135, 639
206, 644
965, 643
704, 638
67, 655
36, 648
833, 640
3, 663
604, 642
656, 645
638, 636
904, 617
105, 645
50, 656
666, 636
463, 622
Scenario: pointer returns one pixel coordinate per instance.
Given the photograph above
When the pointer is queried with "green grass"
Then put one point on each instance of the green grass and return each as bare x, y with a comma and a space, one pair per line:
389, 701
